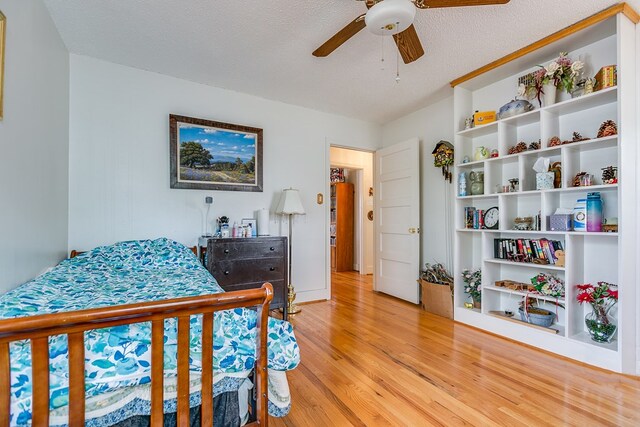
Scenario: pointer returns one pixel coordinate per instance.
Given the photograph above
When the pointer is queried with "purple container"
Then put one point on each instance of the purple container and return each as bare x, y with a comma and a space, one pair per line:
594, 212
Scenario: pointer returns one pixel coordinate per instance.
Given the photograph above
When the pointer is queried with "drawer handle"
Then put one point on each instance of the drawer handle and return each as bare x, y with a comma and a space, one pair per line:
226, 251
272, 248
272, 269
226, 273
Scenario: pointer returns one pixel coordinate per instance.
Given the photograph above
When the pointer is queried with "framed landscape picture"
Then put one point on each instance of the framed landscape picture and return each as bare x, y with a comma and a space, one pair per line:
209, 155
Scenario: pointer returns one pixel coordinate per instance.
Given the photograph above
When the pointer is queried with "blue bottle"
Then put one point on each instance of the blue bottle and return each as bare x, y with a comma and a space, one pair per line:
594, 212
462, 184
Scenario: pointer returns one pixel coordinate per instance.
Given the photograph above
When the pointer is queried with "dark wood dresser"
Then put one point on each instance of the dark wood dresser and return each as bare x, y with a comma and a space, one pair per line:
246, 263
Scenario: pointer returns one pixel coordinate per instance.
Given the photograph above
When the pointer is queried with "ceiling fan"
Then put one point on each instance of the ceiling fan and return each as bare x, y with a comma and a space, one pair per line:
394, 17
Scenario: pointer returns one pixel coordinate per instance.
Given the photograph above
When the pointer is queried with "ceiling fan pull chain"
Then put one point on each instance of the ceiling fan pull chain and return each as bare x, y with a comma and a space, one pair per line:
382, 54
397, 65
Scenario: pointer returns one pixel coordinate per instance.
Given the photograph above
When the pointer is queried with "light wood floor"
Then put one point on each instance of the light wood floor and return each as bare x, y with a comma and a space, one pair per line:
372, 360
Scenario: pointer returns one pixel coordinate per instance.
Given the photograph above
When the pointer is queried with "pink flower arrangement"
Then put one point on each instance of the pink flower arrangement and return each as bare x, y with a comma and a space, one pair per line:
563, 72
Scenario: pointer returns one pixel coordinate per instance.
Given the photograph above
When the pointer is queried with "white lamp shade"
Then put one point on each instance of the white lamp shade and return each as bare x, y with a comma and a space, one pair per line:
290, 203
390, 17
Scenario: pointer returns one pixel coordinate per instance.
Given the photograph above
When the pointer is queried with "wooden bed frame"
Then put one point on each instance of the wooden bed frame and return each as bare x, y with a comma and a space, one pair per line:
74, 324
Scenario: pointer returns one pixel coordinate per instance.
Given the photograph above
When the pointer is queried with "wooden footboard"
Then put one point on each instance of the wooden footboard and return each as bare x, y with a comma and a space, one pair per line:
74, 324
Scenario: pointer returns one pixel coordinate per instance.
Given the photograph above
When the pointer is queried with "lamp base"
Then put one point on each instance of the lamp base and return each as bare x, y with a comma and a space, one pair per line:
291, 297
293, 309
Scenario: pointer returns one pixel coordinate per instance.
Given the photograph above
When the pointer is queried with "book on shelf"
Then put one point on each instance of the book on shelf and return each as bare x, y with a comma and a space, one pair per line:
473, 218
527, 250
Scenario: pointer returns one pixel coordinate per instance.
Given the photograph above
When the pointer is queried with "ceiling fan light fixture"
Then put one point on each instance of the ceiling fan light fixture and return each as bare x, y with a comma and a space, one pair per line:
390, 17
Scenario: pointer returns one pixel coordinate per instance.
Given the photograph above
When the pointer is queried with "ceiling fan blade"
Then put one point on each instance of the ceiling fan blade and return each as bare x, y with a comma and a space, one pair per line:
409, 45
340, 37
432, 4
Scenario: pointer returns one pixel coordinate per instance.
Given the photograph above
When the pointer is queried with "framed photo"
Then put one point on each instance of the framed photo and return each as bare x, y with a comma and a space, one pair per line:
3, 24
208, 155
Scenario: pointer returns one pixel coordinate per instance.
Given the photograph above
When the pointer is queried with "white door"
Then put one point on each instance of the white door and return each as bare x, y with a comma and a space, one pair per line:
397, 220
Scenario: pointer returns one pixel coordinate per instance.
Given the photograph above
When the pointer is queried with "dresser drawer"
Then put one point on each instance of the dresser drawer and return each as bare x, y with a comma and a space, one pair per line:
247, 270
248, 248
279, 290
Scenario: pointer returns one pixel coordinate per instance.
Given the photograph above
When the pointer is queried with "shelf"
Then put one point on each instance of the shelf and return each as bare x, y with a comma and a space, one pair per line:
523, 294
595, 99
584, 337
530, 232
590, 233
479, 196
592, 144
524, 264
480, 130
523, 119
573, 105
559, 190
471, 230
474, 163
582, 146
588, 189
516, 319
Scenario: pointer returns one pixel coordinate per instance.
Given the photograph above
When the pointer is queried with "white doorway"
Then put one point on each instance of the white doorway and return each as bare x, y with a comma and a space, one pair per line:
356, 168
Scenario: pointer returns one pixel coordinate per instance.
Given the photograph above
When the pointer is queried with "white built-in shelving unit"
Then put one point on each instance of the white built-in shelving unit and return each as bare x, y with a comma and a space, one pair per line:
590, 257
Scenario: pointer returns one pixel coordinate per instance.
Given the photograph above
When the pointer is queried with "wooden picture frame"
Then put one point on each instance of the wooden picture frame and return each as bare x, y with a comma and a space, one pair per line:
210, 155
3, 30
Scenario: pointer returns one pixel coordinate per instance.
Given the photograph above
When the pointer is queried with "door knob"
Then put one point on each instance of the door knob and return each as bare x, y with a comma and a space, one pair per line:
412, 230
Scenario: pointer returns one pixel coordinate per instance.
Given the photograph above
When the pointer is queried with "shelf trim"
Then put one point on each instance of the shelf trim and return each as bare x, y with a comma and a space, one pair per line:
592, 20
524, 294
571, 146
524, 264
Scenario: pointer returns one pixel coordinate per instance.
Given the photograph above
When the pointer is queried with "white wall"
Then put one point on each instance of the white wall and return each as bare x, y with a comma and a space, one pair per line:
430, 124
119, 162
359, 160
34, 136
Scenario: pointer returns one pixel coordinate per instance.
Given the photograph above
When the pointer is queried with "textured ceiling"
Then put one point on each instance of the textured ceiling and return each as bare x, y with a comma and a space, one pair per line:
264, 47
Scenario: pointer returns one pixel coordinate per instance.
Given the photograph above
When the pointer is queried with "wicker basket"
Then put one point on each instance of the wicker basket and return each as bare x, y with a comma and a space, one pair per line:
545, 320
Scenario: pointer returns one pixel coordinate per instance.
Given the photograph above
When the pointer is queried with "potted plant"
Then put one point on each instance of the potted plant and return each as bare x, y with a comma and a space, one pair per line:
561, 73
601, 298
473, 285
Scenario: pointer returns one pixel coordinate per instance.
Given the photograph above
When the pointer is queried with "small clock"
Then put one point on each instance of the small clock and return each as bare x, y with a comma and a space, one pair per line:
491, 218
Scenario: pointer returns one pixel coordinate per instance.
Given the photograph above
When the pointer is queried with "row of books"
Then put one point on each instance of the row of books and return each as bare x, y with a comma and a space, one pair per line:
474, 218
527, 250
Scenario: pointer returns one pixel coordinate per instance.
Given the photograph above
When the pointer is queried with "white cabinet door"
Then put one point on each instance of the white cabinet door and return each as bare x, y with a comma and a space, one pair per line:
397, 220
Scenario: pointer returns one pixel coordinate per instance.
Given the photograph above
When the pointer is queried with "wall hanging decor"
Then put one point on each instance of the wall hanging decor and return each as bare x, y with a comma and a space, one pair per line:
443, 158
209, 155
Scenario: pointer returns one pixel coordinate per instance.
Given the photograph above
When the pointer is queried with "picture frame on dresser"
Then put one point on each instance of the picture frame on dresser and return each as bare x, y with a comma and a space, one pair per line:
210, 155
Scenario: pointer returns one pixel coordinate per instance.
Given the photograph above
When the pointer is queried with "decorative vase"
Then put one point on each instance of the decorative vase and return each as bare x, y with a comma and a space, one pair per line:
549, 94
481, 153
600, 325
476, 302
477, 183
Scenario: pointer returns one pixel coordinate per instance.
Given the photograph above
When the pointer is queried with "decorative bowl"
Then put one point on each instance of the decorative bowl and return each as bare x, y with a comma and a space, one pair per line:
515, 107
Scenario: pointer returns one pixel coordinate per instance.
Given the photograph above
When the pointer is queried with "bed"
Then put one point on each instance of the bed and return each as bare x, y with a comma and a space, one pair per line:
136, 333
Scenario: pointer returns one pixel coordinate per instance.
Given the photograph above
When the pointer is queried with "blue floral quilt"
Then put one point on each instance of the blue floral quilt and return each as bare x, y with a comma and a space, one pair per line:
117, 357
